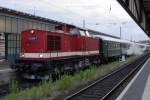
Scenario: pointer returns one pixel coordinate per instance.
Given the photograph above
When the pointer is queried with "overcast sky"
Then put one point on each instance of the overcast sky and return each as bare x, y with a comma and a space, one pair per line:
102, 15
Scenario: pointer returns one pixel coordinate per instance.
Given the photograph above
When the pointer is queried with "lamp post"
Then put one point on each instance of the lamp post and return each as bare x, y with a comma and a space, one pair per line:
34, 10
122, 23
120, 32
83, 23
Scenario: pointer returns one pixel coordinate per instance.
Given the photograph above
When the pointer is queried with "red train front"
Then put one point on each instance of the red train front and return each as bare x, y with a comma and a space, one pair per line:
55, 52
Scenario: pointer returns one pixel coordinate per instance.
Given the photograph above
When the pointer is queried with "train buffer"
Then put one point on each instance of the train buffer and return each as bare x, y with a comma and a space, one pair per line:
139, 86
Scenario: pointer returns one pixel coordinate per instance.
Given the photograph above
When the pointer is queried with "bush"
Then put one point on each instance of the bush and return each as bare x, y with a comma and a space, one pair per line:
30, 93
38, 92
68, 82
13, 89
46, 88
64, 83
86, 74
13, 86
11, 96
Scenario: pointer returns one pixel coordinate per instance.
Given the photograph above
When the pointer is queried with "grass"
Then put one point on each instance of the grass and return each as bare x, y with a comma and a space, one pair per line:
68, 82
14, 90
64, 83
33, 93
13, 86
11, 96
48, 90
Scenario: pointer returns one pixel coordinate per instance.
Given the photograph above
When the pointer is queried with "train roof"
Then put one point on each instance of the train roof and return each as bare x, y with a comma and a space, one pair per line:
112, 39
141, 44
93, 32
106, 38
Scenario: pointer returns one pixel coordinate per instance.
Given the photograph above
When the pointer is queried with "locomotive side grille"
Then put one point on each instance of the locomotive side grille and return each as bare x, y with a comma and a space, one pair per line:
53, 43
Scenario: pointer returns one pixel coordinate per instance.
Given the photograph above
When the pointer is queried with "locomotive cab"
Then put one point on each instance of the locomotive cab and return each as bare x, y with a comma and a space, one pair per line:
33, 44
33, 48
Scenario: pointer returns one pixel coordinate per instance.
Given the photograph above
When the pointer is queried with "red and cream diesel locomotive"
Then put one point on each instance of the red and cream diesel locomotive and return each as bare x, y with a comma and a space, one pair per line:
65, 49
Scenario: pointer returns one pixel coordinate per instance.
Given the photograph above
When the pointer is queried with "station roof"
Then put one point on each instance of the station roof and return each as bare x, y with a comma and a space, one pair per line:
27, 15
35, 17
146, 6
139, 10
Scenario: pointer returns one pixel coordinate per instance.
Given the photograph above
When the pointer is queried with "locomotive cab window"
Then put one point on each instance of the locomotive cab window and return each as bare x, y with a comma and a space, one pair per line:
82, 33
53, 43
74, 31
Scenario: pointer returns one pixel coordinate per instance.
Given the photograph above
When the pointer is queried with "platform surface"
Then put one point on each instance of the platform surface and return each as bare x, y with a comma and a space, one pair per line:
139, 87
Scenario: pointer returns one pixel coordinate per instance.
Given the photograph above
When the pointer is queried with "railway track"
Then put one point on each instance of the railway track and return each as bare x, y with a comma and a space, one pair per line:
104, 87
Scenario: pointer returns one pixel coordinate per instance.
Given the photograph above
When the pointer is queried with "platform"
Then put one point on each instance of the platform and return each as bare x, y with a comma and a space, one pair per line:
139, 87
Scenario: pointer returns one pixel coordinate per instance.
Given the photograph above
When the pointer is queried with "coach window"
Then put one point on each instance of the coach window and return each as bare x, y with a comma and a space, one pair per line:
106, 43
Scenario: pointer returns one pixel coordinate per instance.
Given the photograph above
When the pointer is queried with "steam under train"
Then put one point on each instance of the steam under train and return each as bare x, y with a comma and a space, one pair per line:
65, 49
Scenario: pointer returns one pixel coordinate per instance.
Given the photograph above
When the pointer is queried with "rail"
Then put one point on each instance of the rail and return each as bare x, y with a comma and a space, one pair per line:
104, 87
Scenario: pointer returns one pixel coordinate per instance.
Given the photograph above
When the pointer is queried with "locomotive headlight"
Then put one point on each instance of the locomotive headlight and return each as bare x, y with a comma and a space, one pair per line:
41, 55
22, 55
32, 31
